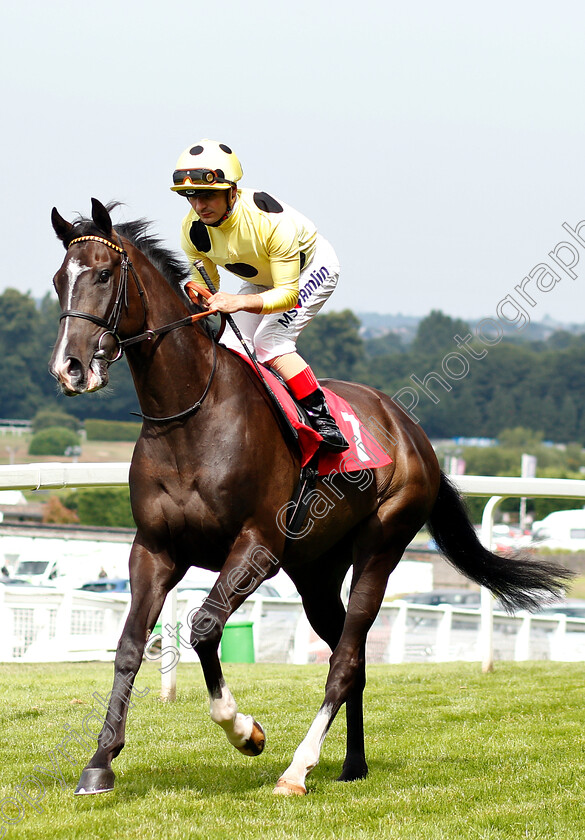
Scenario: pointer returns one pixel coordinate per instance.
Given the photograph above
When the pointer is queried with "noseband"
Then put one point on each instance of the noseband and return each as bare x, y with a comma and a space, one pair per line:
112, 323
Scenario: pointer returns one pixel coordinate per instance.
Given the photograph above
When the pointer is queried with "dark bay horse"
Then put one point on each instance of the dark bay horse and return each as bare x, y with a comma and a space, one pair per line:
211, 470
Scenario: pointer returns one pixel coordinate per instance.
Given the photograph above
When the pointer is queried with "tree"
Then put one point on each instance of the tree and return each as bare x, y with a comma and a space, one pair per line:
18, 319
492, 460
20, 395
521, 438
435, 336
52, 417
53, 441
56, 512
539, 385
384, 345
501, 412
105, 506
464, 414
388, 373
332, 345
566, 428
548, 417
25, 345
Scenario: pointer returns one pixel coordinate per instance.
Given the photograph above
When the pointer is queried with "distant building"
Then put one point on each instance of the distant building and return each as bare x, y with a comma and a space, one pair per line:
15, 508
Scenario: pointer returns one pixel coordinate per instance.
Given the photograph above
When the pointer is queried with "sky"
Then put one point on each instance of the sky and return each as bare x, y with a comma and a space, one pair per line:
438, 146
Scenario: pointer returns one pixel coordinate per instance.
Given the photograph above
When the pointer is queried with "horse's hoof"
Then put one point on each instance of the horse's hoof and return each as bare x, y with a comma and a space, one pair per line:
95, 780
284, 788
255, 743
353, 772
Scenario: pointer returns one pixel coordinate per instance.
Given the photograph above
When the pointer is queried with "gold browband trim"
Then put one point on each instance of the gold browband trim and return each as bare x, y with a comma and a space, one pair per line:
96, 239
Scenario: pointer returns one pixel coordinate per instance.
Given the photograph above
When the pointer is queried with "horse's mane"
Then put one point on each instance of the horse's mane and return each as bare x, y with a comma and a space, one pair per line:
174, 269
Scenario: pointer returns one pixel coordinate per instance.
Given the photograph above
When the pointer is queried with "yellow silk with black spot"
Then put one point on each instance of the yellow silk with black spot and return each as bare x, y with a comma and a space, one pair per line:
263, 241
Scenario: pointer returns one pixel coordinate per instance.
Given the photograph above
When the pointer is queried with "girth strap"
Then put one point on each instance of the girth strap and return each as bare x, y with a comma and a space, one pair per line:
302, 496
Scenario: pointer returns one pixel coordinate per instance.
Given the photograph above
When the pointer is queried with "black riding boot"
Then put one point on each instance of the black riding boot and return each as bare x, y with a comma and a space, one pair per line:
322, 421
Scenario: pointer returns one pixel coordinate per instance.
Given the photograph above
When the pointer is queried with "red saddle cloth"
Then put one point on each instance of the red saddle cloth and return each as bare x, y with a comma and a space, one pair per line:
364, 453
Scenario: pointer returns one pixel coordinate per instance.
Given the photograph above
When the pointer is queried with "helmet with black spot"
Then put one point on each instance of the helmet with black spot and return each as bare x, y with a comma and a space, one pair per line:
207, 165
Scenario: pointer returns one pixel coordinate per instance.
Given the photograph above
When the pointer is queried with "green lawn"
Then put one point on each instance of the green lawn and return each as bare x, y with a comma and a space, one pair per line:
453, 754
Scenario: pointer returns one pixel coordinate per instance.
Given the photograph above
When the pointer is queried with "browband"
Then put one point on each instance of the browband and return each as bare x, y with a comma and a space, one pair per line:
96, 239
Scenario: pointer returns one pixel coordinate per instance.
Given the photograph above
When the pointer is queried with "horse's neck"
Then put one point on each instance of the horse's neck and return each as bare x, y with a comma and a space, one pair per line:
170, 370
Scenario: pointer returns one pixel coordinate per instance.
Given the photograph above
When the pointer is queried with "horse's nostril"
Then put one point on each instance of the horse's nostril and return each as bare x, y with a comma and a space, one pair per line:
74, 368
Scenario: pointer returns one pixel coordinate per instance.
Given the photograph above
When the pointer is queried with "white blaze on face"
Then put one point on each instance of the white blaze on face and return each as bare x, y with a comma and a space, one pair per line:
74, 269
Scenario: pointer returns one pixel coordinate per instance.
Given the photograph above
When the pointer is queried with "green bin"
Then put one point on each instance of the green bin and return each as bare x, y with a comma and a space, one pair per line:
237, 642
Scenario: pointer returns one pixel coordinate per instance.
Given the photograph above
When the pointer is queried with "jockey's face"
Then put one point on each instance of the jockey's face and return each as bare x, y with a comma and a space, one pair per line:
210, 205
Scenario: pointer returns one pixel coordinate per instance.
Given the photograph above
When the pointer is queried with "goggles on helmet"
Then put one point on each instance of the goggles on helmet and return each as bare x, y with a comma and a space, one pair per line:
198, 178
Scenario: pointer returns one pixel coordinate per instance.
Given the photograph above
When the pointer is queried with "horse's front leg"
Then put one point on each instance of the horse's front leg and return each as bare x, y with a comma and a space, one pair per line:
242, 731
151, 579
249, 563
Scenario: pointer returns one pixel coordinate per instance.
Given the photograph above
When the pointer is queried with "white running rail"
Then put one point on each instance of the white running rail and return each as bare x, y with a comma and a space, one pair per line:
59, 475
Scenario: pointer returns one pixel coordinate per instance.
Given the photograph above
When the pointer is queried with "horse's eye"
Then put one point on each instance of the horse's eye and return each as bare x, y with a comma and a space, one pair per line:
104, 275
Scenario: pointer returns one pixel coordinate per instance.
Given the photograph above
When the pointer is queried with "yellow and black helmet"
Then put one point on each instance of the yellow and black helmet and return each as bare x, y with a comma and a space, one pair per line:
207, 165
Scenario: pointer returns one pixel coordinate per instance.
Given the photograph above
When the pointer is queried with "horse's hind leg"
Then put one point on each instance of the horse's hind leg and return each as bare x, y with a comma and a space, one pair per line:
355, 765
346, 674
326, 614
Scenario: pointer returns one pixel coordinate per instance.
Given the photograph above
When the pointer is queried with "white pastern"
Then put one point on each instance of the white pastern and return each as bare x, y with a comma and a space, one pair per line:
307, 754
224, 712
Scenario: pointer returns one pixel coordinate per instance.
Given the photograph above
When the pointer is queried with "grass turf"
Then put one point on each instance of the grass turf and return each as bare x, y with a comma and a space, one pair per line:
453, 754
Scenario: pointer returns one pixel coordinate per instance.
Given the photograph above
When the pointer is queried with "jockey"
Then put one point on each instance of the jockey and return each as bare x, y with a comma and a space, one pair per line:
288, 269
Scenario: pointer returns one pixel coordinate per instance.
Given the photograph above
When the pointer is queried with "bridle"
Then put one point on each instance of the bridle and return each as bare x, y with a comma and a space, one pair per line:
112, 323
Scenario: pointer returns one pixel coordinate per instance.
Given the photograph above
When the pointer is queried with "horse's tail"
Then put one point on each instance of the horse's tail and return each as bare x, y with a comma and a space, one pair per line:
518, 580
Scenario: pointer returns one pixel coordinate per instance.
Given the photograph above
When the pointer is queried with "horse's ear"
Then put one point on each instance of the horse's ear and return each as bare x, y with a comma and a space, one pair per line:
60, 226
101, 217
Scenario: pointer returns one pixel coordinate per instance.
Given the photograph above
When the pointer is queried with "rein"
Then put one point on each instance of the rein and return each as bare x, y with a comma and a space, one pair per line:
112, 323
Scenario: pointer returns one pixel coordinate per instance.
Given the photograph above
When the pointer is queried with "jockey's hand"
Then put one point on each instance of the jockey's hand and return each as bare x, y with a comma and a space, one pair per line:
223, 302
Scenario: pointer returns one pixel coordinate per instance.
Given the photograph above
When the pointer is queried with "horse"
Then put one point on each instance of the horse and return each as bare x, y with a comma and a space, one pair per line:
212, 468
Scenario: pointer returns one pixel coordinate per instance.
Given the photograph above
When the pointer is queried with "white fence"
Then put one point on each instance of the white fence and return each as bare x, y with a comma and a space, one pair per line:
44, 625
436, 633
52, 625
405, 632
